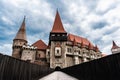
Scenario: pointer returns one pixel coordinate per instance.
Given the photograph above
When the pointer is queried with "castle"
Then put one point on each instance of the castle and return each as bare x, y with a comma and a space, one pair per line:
63, 49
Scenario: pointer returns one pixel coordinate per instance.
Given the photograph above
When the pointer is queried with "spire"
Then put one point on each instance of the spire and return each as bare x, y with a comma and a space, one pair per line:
74, 42
82, 44
90, 47
21, 34
96, 48
114, 45
58, 26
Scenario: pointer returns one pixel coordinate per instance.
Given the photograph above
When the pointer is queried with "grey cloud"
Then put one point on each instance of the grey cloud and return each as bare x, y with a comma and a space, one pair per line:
99, 24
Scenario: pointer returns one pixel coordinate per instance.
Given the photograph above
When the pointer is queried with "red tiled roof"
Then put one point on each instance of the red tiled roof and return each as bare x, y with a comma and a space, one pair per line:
58, 26
74, 42
71, 37
79, 39
114, 45
48, 47
40, 45
82, 44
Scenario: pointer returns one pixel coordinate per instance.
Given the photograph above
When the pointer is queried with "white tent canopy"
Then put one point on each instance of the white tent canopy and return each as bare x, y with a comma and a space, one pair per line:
58, 75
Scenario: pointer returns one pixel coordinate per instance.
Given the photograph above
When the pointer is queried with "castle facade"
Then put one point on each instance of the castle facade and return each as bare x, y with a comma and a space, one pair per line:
63, 49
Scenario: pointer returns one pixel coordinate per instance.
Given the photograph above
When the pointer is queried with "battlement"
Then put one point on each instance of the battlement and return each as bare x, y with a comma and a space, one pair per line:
29, 47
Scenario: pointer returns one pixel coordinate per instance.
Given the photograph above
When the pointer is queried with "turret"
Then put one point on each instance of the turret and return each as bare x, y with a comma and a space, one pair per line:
57, 40
58, 32
19, 40
115, 48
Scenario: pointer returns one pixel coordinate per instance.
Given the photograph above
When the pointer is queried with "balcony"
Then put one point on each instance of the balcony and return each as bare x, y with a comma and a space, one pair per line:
58, 38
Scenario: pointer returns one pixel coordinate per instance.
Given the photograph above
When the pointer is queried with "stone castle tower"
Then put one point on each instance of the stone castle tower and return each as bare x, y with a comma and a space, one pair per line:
57, 41
115, 49
63, 49
19, 41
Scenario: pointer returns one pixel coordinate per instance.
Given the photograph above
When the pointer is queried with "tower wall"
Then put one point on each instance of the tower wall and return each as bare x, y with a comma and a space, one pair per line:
19, 40
57, 60
17, 47
16, 53
28, 54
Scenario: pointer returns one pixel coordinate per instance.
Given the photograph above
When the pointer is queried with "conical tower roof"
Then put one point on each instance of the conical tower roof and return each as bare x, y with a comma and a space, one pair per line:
58, 26
21, 34
114, 45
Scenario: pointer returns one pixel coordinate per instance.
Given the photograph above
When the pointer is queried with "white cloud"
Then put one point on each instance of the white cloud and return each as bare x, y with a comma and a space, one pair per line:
80, 17
87, 16
7, 21
6, 49
104, 5
39, 16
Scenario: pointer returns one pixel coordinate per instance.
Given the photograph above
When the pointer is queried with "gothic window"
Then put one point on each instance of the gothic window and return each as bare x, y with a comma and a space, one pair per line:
69, 50
84, 54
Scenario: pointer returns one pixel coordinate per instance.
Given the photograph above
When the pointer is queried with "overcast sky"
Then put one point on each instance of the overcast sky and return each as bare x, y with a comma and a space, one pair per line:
96, 20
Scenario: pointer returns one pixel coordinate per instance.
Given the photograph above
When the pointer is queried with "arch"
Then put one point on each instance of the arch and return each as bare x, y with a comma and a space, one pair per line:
58, 68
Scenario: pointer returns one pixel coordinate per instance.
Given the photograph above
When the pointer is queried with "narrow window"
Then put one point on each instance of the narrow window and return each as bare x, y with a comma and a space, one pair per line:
57, 51
39, 55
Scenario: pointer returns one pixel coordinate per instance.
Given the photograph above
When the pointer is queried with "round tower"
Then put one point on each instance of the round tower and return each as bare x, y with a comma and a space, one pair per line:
19, 41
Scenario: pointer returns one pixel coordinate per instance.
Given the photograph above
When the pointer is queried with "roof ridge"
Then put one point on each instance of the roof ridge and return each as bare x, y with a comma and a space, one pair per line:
40, 44
79, 39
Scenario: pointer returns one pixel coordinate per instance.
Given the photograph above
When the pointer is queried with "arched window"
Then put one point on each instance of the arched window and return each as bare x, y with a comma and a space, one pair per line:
57, 51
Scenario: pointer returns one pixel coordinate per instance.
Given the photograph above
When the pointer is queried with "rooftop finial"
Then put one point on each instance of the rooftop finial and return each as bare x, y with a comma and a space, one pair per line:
57, 10
114, 44
96, 48
24, 18
90, 46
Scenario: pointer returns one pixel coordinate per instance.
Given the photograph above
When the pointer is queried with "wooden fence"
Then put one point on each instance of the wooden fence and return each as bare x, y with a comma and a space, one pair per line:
15, 69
